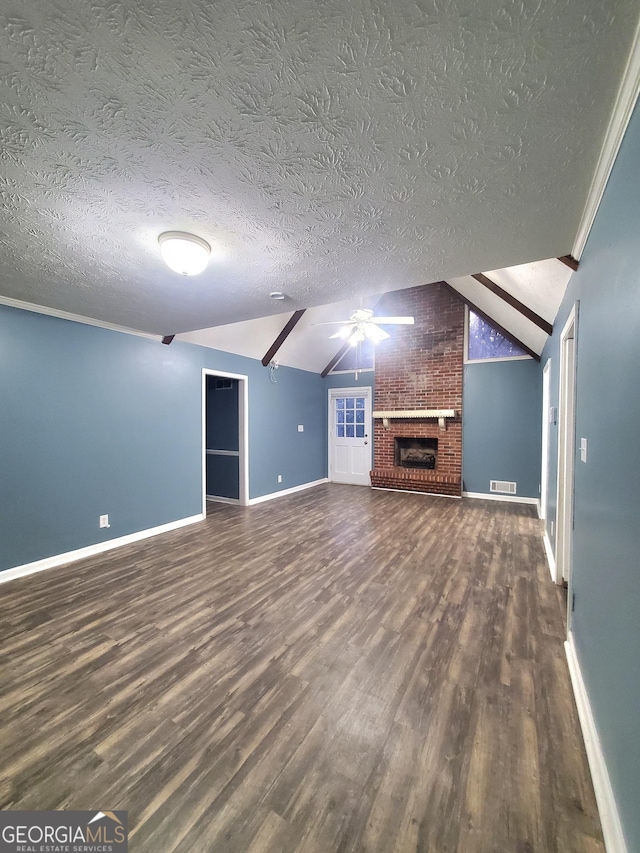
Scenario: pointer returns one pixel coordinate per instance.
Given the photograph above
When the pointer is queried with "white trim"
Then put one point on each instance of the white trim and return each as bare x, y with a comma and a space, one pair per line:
243, 438
551, 560
411, 414
501, 358
220, 500
567, 397
607, 808
92, 550
281, 494
74, 318
352, 370
622, 110
492, 496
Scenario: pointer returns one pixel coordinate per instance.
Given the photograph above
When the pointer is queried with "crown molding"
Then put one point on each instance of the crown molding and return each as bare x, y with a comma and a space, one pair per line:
74, 318
622, 110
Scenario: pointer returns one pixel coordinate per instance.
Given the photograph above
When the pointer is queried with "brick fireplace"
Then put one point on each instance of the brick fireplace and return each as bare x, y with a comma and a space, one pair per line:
420, 368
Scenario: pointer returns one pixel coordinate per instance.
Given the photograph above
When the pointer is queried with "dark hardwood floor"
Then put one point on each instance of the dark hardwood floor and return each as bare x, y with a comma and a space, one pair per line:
337, 670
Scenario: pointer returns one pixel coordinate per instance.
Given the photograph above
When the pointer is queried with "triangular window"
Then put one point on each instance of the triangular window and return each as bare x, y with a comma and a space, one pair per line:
485, 343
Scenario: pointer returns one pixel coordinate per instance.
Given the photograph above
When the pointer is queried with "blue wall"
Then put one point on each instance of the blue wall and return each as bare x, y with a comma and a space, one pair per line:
606, 552
502, 425
94, 421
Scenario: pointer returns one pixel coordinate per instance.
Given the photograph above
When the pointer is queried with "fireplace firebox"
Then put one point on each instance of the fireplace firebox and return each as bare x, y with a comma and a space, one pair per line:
416, 452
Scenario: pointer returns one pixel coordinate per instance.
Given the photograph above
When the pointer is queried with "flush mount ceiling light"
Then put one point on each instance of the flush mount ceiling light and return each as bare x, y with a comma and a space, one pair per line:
184, 253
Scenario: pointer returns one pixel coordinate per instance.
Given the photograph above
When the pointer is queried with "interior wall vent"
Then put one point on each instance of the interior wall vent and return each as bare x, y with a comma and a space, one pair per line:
503, 486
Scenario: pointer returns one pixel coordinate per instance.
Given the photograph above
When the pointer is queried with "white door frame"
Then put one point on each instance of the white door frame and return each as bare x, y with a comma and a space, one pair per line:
360, 390
243, 434
544, 465
566, 452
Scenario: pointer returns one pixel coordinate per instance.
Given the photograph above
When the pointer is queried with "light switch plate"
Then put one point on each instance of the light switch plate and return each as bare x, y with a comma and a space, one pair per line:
300, 427
583, 449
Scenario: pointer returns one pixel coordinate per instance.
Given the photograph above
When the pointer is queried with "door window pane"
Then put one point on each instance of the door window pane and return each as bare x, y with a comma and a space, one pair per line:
349, 412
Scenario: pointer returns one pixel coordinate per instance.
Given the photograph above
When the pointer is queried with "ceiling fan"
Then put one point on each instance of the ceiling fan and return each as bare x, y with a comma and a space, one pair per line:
362, 325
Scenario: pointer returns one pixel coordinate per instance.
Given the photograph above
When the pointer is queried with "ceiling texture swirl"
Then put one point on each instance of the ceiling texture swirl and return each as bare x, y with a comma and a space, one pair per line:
327, 150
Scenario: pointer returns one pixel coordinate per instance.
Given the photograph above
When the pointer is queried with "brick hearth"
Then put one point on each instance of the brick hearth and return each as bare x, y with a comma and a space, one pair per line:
420, 367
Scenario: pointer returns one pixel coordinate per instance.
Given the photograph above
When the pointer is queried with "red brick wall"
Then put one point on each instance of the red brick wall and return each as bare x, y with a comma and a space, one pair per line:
420, 367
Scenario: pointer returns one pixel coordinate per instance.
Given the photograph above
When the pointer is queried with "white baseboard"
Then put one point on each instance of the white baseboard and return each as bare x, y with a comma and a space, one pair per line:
92, 550
281, 494
609, 817
220, 500
551, 560
491, 496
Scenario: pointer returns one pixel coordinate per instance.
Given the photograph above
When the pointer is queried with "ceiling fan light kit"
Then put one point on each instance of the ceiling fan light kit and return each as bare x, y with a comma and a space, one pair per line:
184, 253
362, 325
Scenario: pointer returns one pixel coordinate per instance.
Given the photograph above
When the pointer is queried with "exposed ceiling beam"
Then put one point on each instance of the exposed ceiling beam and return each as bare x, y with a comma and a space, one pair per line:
167, 339
282, 337
570, 261
335, 359
493, 323
514, 303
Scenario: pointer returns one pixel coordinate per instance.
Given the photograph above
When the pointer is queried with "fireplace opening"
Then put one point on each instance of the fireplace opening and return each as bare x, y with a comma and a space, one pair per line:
416, 452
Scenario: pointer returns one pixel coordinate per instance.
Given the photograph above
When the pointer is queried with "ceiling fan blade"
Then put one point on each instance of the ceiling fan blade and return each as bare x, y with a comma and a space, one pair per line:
343, 332
333, 323
395, 321
374, 333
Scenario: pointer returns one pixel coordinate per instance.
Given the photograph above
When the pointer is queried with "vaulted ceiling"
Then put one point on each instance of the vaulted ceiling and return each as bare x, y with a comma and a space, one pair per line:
331, 150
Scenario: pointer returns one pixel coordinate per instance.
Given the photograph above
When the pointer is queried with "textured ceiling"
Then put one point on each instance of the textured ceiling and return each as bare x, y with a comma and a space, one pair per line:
324, 149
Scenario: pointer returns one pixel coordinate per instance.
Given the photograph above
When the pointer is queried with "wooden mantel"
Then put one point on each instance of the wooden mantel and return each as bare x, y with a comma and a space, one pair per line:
420, 414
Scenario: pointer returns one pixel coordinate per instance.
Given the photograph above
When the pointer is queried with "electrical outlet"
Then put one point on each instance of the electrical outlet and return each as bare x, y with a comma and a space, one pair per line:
552, 525
583, 449
279, 478
104, 521
300, 427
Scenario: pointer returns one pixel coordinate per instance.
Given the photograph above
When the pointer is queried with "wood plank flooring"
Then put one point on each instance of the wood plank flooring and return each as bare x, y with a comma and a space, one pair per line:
337, 670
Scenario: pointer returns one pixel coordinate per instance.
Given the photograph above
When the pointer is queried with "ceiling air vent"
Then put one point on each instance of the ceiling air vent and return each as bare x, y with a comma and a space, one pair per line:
503, 486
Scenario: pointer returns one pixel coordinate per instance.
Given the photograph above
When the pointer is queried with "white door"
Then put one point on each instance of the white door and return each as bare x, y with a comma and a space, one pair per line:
350, 435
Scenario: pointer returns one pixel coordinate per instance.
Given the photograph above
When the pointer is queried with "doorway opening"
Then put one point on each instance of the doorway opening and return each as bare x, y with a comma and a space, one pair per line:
225, 438
566, 454
546, 415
